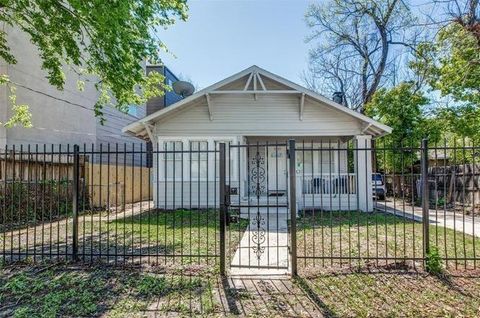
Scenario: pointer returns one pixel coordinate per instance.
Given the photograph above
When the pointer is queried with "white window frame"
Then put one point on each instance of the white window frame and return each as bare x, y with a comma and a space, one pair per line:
165, 159
232, 160
212, 142
319, 149
193, 157
334, 156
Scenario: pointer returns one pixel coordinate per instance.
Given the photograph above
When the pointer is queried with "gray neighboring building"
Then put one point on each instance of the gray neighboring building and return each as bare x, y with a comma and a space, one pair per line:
58, 117
64, 117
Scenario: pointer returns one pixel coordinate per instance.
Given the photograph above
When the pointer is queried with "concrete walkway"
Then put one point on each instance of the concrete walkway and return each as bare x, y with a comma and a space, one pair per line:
264, 251
448, 219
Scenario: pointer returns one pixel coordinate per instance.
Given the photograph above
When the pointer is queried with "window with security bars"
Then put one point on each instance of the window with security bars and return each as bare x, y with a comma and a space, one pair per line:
315, 161
173, 160
198, 159
230, 154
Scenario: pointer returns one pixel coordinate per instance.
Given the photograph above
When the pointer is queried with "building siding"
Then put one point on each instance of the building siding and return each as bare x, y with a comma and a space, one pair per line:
58, 117
269, 115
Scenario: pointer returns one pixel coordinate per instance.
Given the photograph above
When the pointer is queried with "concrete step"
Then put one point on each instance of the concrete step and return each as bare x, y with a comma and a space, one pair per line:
264, 205
272, 211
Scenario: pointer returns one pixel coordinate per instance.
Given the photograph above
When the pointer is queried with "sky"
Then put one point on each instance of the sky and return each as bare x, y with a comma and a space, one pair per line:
223, 37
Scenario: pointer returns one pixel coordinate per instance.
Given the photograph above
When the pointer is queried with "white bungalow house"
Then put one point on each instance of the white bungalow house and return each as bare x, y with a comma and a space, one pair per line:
257, 112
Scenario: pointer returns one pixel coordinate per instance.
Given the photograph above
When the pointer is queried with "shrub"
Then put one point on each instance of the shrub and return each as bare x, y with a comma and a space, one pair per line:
441, 201
433, 261
25, 202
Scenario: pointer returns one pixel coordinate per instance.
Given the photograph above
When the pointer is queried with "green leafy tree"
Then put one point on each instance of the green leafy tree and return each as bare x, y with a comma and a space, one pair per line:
402, 108
106, 40
451, 65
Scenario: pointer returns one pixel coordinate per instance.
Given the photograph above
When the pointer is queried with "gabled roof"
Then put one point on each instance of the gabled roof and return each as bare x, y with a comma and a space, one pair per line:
253, 80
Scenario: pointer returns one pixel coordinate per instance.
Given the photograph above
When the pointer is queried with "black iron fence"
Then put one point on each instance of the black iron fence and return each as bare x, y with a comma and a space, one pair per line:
91, 204
284, 204
423, 203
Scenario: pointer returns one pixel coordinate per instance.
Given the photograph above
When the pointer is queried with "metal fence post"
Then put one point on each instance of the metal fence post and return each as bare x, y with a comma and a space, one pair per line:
223, 206
293, 203
425, 198
75, 195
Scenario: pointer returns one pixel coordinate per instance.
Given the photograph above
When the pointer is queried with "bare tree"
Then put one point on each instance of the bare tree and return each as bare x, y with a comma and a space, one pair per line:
333, 73
464, 12
355, 45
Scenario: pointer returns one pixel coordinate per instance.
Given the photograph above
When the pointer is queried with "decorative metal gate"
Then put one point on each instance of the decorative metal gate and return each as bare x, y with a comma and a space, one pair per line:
256, 206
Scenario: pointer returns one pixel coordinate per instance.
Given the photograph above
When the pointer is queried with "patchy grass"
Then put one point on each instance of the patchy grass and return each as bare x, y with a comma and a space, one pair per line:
188, 232
49, 293
362, 235
61, 291
68, 290
152, 236
394, 294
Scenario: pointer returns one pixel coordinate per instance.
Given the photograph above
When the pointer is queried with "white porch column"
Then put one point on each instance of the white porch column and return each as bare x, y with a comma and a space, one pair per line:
363, 171
242, 165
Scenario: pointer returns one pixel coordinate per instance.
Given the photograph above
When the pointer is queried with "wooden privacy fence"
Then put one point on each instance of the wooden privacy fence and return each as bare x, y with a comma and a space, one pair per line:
104, 184
117, 185
455, 183
35, 166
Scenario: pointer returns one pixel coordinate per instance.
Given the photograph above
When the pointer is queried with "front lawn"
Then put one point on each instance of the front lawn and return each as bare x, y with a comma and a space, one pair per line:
404, 293
357, 236
146, 236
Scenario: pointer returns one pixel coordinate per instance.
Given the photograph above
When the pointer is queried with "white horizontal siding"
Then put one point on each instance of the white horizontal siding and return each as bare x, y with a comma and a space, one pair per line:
270, 114
188, 195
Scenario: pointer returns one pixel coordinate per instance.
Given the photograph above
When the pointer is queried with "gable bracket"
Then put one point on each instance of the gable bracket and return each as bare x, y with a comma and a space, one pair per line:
302, 105
261, 82
254, 85
255, 92
248, 82
209, 104
148, 128
365, 128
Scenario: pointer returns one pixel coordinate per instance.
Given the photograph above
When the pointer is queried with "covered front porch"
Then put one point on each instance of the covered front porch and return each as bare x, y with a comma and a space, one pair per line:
331, 172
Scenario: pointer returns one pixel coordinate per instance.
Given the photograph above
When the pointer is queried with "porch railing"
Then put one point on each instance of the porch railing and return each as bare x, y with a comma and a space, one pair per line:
326, 183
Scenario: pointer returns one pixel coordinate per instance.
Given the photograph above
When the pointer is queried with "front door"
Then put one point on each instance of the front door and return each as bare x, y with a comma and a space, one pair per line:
277, 171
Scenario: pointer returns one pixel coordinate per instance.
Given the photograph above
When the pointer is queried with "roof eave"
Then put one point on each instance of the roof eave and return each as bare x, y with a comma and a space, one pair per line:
152, 118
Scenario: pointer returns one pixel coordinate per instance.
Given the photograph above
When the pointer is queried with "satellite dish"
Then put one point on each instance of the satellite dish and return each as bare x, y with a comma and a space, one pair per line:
183, 88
